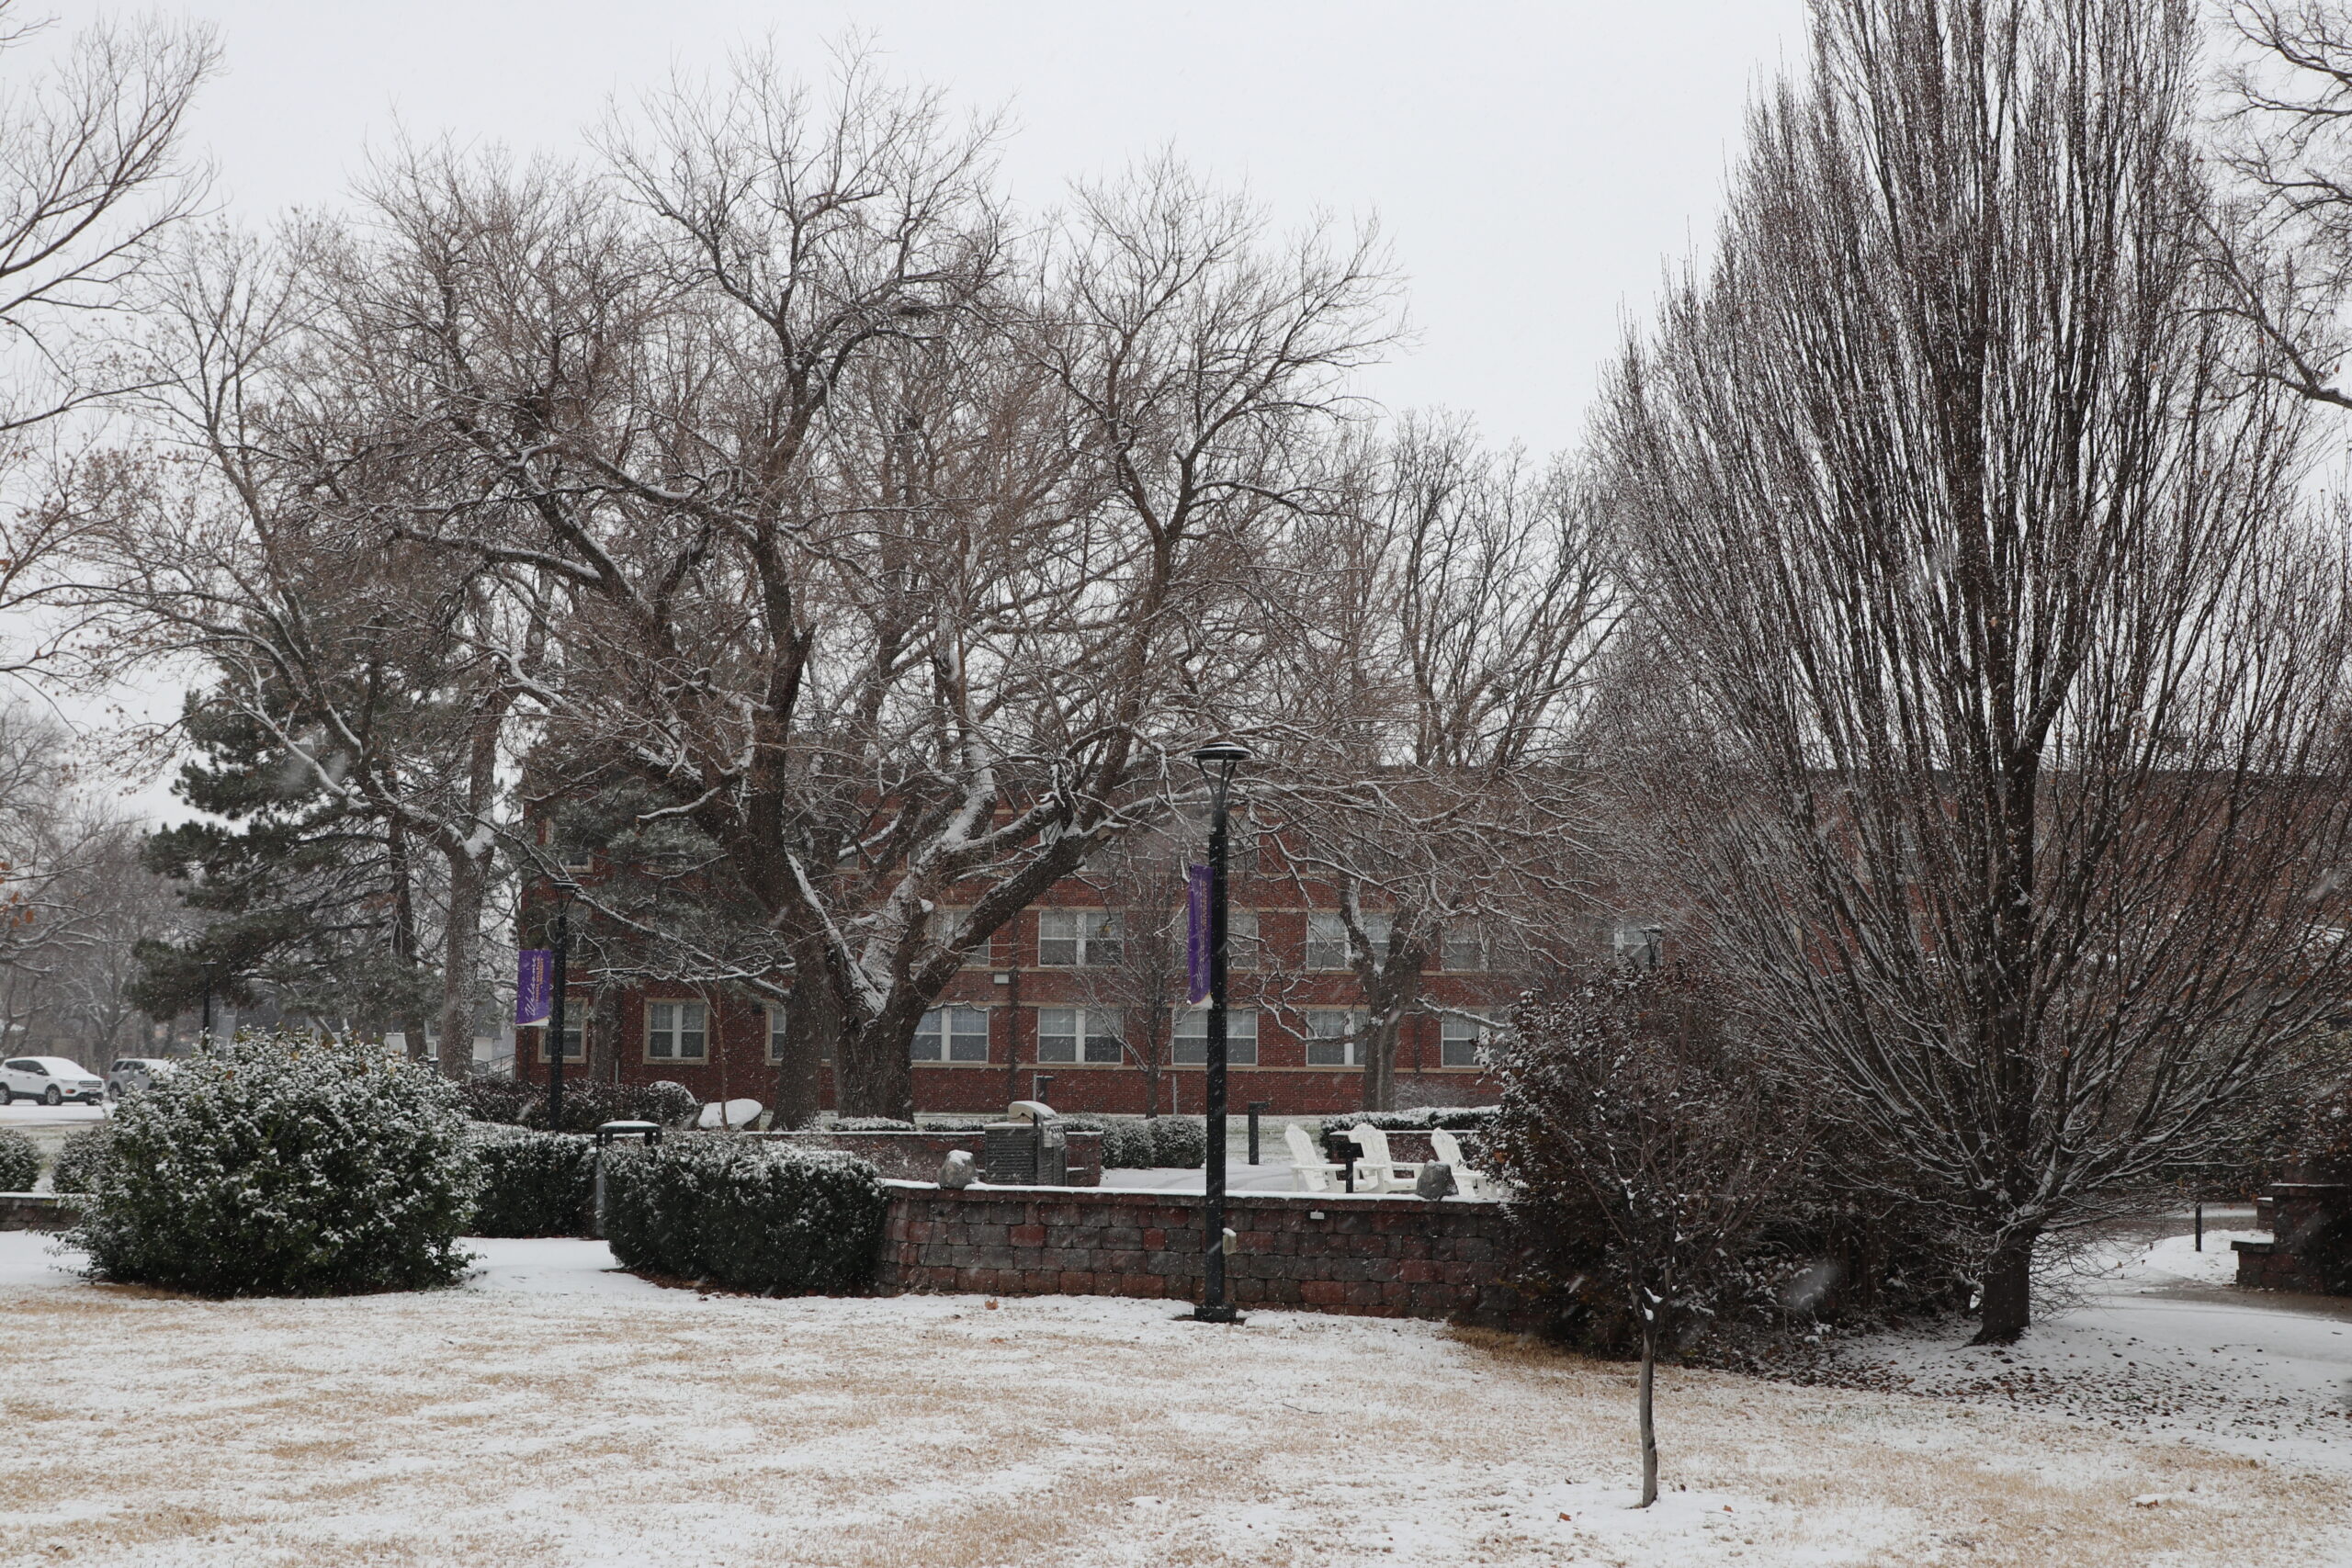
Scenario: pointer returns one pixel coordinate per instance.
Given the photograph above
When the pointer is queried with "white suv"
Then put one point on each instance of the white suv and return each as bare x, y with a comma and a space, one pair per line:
131, 1074
52, 1080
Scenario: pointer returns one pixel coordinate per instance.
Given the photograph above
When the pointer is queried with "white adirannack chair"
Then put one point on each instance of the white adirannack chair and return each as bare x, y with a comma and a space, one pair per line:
1470, 1183
1309, 1167
1377, 1170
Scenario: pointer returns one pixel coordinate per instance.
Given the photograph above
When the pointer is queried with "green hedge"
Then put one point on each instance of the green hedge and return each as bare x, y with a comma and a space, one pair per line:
20, 1161
81, 1162
587, 1104
753, 1216
533, 1183
285, 1165
1429, 1119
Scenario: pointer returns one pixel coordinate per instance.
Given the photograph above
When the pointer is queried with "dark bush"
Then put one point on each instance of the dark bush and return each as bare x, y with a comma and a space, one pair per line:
586, 1106
81, 1161
750, 1215
873, 1124
1127, 1144
1427, 1118
285, 1165
1178, 1141
20, 1161
533, 1183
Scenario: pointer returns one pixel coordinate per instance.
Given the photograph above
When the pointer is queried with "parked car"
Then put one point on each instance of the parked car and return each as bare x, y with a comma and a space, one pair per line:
132, 1074
52, 1080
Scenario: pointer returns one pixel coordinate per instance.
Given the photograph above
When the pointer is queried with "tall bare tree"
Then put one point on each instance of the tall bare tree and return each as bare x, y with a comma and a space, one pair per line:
1448, 624
92, 175
892, 555
2002, 675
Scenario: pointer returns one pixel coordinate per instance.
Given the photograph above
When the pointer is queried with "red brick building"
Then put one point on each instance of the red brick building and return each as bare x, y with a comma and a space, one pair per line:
1055, 995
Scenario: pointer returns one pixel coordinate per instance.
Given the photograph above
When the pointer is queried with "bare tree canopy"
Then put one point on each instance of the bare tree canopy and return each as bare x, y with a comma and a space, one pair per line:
2000, 675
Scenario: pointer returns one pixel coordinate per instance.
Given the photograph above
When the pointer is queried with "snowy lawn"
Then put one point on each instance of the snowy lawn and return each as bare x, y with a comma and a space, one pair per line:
554, 1412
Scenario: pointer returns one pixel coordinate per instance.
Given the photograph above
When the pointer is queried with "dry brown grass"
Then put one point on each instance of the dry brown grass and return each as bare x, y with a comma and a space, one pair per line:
484, 1428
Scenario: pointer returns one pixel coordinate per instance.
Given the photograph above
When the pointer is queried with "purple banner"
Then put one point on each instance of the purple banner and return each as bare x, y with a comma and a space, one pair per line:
534, 986
1196, 933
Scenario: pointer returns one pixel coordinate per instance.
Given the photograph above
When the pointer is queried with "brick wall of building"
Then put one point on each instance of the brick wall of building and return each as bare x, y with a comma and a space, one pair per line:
1453, 1259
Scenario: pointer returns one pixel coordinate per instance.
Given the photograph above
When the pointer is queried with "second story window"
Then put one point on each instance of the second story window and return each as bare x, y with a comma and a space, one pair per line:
952, 1034
1465, 949
1327, 941
1191, 1042
1332, 1038
575, 1032
1079, 1034
1079, 939
1463, 1042
677, 1032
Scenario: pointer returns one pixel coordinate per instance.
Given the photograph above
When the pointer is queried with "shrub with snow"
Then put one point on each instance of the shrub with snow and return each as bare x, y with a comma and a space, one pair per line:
81, 1160
1127, 1144
20, 1161
285, 1165
873, 1124
751, 1215
1178, 1141
586, 1105
1426, 1118
532, 1183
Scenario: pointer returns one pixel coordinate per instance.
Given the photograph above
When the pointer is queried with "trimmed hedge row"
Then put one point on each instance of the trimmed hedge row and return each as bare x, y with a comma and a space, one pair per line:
20, 1161
532, 1183
586, 1106
752, 1216
81, 1161
1429, 1119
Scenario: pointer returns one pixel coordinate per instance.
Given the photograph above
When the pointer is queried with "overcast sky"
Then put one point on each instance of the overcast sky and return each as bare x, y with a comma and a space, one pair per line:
1533, 164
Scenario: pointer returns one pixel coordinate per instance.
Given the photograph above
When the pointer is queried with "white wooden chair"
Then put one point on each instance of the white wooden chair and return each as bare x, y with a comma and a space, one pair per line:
1376, 1169
1468, 1182
1309, 1167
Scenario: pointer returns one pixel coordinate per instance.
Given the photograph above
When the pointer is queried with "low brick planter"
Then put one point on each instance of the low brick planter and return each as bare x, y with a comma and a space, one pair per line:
917, 1157
38, 1212
1375, 1256
2291, 1210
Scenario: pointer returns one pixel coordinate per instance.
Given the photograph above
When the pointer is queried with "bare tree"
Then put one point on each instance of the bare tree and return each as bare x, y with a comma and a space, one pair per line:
2001, 746
91, 175
1629, 1108
1445, 634
894, 557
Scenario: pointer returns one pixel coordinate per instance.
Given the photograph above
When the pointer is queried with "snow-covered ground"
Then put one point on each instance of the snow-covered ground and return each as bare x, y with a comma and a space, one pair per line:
554, 1411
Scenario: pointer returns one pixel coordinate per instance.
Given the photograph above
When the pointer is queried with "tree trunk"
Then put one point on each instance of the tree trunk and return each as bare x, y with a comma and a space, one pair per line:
601, 1049
1380, 1059
2007, 1291
809, 1023
462, 949
1649, 1418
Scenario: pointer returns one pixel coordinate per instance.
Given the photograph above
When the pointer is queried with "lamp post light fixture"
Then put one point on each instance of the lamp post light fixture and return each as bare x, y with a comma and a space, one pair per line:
1218, 761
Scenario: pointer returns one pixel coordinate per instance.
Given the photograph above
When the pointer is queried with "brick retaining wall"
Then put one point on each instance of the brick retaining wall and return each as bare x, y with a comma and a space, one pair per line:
38, 1212
917, 1157
1377, 1256
2292, 1211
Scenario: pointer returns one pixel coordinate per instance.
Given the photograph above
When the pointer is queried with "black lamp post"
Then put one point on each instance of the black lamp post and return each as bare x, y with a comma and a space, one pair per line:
557, 981
1217, 763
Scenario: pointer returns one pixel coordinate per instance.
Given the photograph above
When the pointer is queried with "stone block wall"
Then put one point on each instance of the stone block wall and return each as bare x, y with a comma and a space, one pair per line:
1377, 1256
38, 1212
2294, 1212
917, 1157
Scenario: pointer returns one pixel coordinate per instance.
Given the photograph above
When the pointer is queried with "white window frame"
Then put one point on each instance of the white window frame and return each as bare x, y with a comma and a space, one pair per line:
1241, 942
1091, 1044
1461, 938
1092, 937
575, 1026
949, 1027
1349, 1042
1241, 1037
1639, 942
676, 1032
1328, 930
1450, 1037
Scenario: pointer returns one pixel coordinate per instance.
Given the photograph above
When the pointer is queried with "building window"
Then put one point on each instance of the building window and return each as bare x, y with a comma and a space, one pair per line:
1079, 1034
1332, 1038
1465, 949
778, 1035
1637, 943
677, 1032
1191, 1042
1241, 938
1327, 940
952, 1034
575, 1034
1081, 939
1463, 1041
